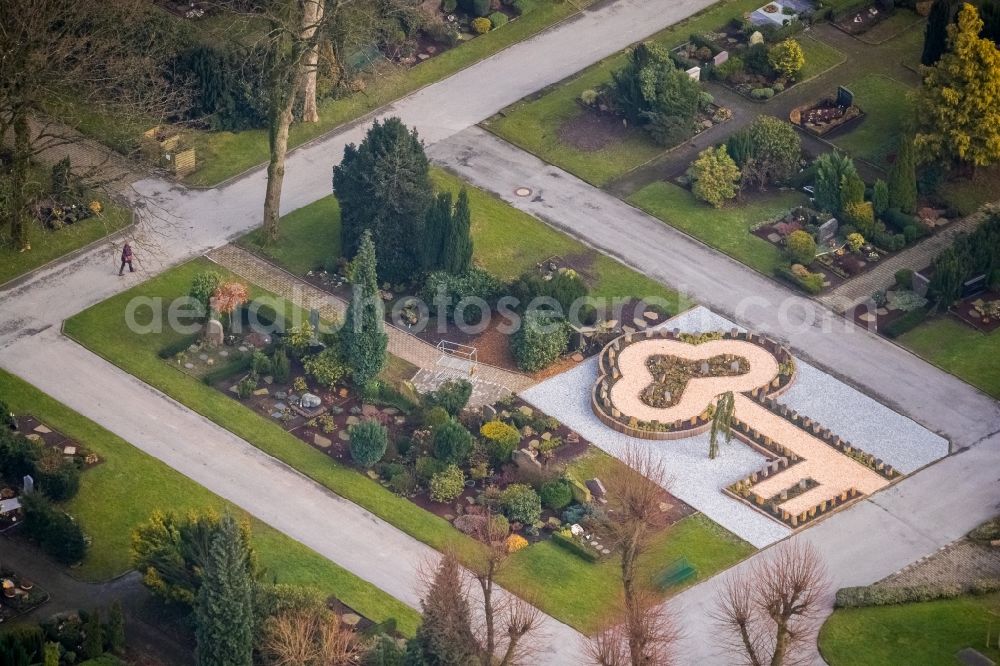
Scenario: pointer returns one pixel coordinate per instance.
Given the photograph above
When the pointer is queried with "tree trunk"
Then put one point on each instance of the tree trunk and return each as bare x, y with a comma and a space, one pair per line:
312, 14
19, 182
781, 643
281, 121
486, 582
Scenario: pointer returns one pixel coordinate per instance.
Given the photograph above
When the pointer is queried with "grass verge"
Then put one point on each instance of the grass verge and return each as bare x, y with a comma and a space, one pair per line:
726, 229
886, 104
129, 485
960, 350
920, 634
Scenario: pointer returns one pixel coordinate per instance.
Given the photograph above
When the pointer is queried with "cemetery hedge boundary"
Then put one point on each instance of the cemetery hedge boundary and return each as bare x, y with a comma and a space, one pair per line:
881, 595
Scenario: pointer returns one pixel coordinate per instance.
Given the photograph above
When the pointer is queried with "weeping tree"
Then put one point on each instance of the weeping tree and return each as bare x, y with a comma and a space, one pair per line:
722, 421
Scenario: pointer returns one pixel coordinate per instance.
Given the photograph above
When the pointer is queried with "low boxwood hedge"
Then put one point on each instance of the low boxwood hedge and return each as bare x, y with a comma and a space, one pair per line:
907, 322
880, 595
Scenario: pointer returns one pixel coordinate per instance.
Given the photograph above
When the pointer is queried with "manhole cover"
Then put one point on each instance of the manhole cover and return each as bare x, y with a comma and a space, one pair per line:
523, 191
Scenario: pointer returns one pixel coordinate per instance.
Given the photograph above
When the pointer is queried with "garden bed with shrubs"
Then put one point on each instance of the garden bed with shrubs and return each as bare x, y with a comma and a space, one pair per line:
18, 595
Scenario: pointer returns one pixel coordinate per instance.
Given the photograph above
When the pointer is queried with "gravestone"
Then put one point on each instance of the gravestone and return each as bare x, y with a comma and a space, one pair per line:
596, 489
28, 484
827, 231
919, 284
974, 286
213, 333
310, 401
845, 98
525, 459
720, 57
694, 73
704, 367
756, 38
314, 322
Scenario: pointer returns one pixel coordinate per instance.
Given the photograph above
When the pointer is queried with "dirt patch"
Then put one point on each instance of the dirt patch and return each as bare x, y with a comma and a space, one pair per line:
591, 132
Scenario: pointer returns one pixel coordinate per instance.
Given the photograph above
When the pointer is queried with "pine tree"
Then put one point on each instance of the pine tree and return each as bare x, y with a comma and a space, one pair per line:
903, 178
959, 102
363, 336
93, 641
445, 637
115, 629
458, 255
936, 32
224, 610
436, 228
384, 186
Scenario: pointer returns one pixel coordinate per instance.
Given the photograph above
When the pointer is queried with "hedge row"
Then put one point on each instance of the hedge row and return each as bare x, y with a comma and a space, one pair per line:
907, 322
574, 546
879, 595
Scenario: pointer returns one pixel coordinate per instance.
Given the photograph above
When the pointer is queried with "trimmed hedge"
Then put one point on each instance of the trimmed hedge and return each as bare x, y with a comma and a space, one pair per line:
907, 322
574, 546
878, 595
175, 348
223, 371
812, 285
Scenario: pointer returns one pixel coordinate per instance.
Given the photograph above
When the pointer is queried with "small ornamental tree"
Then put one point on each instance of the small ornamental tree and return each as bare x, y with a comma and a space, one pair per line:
452, 396
228, 297
224, 611
326, 367
369, 440
787, 58
775, 151
93, 640
715, 176
903, 178
436, 230
452, 442
936, 32
445, 636
115, 629
959, 102
880, 197
541, 339
447, 484
363, 337
801, 247
830, 171
457, 258
521, 503
203, 286
722, 419
852, 190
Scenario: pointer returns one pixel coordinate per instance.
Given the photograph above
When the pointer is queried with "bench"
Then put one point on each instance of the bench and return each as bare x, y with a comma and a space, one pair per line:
678, 572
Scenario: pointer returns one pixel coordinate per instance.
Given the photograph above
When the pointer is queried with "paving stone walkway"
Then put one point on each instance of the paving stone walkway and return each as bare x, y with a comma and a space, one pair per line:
858, 290
959, 563
491, 381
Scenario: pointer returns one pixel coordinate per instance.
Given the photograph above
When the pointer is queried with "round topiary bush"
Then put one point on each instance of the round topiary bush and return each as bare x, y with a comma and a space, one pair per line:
481, 25
368, 442
501, 440
556, 494
520, 503
452, 443
447, 484
801, 247
498, 19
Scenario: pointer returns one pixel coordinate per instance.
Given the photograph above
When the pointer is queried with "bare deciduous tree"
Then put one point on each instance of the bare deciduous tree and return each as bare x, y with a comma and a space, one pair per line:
308, 637
635, 490
79, 58
770, 610
649, 631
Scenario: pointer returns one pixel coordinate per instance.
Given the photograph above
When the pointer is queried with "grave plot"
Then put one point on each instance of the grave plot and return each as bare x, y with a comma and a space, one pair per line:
804, 444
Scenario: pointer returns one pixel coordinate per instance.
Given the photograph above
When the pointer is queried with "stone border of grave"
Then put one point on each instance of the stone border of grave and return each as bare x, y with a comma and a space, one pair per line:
608, 368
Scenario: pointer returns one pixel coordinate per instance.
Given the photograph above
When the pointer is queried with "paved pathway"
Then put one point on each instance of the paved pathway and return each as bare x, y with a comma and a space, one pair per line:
860, 289
402, 343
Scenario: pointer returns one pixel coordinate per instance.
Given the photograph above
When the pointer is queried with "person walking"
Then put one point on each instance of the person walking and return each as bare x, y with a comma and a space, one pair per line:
126, 259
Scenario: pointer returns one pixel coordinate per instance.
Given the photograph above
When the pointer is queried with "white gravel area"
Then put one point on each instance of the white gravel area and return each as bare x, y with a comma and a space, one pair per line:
697, 480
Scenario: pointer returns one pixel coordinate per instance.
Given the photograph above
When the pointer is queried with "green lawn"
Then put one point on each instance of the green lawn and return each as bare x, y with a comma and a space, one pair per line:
48, 245
820, 57
886, 104
533, 123
900, 21
959, 349
129, 485
507, 243
919, 634
725, 229
222, 155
